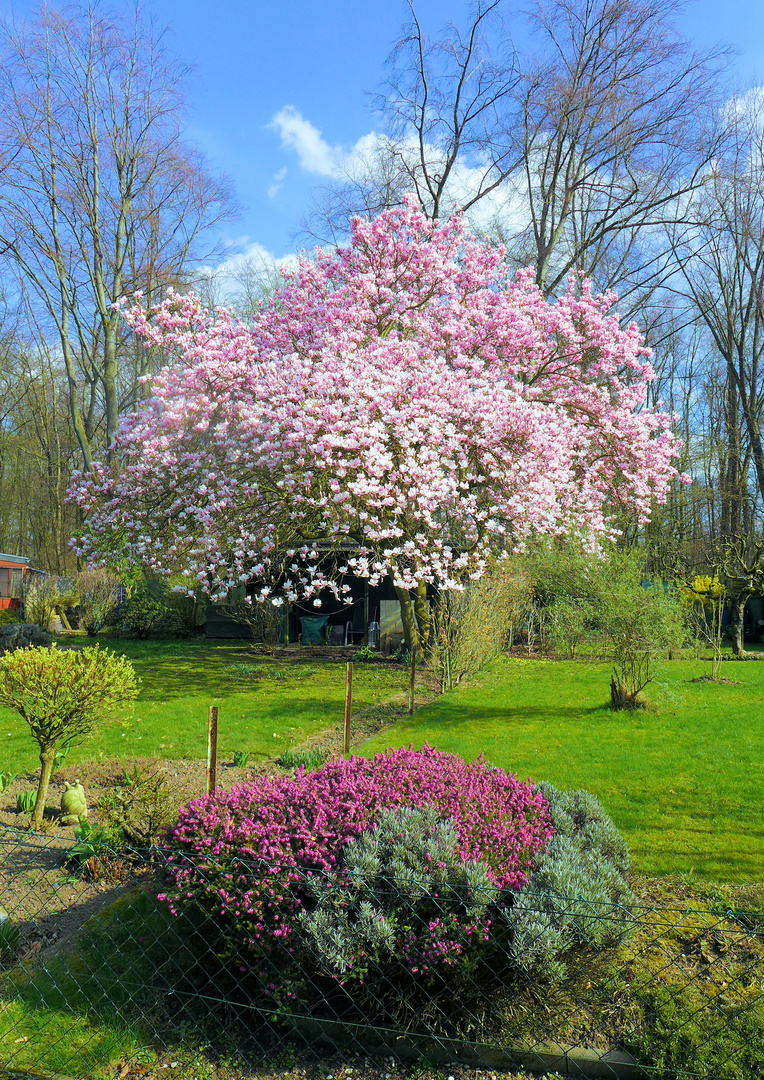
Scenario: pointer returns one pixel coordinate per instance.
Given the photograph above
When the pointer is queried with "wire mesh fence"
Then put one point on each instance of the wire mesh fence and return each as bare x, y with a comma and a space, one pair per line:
116, 955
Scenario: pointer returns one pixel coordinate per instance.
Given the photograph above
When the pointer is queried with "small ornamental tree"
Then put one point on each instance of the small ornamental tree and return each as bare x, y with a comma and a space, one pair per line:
403, 407
61, 694
704, 598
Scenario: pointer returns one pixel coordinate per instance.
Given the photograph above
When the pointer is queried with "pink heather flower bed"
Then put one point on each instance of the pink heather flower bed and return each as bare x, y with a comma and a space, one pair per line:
302, 822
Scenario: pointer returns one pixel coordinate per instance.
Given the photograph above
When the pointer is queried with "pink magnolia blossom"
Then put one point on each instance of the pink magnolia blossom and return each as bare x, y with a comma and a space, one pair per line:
404, 401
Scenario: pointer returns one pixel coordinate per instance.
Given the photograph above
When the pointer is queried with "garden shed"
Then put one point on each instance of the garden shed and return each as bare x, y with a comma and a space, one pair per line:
15, 573
371, 618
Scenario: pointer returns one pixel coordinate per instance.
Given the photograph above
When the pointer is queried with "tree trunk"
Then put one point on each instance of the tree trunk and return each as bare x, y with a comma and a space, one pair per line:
737, 613
416, 619
410, 630
47, 757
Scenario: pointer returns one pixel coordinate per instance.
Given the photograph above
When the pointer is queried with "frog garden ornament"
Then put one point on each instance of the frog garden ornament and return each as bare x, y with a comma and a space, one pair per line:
73, 805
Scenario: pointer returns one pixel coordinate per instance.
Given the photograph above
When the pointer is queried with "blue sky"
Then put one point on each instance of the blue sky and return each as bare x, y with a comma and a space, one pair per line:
317, 59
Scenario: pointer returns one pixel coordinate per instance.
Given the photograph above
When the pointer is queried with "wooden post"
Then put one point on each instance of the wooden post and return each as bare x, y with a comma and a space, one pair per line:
348, 706
365, 612
212, 748
412, 681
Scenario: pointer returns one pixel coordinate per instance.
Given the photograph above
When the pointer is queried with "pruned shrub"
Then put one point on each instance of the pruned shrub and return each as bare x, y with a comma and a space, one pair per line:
61, 694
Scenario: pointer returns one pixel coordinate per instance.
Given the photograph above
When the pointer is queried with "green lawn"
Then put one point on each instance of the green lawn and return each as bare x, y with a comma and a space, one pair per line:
264, 706
684, 779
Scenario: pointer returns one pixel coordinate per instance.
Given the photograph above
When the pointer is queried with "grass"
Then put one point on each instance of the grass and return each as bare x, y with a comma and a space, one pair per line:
265, 706
683, 779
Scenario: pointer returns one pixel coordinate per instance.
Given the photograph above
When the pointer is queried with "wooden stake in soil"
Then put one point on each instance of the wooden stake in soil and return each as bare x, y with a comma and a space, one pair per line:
348, 707
212, 748
412, 681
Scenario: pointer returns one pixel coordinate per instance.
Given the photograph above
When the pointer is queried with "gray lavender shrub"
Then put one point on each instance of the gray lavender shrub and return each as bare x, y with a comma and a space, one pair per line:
581, 817
406, 870
577, 894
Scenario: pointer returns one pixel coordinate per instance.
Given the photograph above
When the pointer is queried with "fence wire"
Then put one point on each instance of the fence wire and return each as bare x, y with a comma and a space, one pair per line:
112, 957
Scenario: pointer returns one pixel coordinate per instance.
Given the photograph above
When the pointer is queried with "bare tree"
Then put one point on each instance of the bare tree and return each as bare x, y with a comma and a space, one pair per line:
618, 127
38, 452
720, 258
576, 154
447, 104
100, 195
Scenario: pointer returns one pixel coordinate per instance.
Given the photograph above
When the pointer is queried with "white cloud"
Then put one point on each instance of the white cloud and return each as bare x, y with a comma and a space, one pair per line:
368, 158
297, 133
251, 252
250, 271
275, 186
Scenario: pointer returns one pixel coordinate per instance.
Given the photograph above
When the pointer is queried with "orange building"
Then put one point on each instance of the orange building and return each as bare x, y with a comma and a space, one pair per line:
13, 571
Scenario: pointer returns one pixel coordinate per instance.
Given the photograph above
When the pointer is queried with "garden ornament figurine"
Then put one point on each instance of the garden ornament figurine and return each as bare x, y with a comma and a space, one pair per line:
73, 805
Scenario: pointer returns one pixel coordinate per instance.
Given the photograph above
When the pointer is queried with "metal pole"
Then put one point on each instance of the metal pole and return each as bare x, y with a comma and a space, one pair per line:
412, 680
348, 706
212, 748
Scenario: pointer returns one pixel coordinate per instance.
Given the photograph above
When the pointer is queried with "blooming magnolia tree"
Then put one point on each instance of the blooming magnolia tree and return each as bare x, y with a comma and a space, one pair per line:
403, 407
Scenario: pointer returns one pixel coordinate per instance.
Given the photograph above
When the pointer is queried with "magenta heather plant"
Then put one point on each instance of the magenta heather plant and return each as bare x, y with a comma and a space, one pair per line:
304, 821
245, 857
254, 860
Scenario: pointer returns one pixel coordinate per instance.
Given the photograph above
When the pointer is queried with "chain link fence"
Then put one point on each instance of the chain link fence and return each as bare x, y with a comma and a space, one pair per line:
111, 957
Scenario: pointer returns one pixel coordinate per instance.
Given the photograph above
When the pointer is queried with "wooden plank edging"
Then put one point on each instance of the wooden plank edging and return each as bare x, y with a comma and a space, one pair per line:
539, 1059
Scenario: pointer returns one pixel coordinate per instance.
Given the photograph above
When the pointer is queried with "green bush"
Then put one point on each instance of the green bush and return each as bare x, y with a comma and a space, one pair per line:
580, 597
147, 614
141, 807
8, 617
97, 592
474, 625
41, 600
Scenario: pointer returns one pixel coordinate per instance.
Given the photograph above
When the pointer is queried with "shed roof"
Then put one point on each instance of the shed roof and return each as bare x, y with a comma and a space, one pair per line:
13, 560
